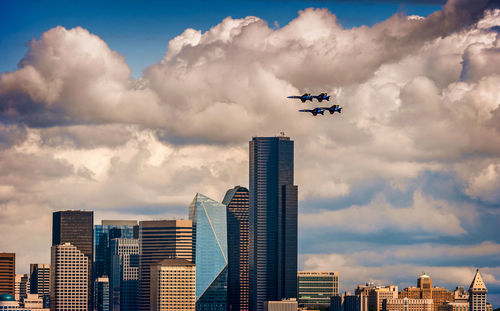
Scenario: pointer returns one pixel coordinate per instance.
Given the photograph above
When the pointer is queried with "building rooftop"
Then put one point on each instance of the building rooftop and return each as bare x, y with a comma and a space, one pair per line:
174, 262
477, 282
6, 297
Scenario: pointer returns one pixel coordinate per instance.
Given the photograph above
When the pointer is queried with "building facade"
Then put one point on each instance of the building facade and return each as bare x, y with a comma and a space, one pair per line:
316, 288
101, 294
40, 282
158, 240
173, 285
407, 304
124, 282
22, 286
477, 293
76, 228
7, 273
425, 290
236, 200
272, 221
69, 279
210, 235
281, 305
377, 295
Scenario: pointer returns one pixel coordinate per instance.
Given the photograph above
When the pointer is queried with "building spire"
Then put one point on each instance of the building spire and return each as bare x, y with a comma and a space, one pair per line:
477, 282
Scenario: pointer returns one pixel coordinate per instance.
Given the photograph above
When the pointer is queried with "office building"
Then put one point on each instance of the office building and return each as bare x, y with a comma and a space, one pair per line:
21, 286
76, 228
7, 273
377, 295
69, 279
477, 293
101, 294
210, 235
124, 282
316, 288
456, 306
272, 221
407, 304
40, 282
103, 234
348, 302
32, 302
158, 240
173, 285
281, 305
426, 290
460, 294
236, 200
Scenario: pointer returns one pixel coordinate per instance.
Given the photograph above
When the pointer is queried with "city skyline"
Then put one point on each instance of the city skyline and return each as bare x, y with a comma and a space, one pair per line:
406, 179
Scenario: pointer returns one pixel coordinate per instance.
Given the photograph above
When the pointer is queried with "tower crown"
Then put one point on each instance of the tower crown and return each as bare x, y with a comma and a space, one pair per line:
477, 283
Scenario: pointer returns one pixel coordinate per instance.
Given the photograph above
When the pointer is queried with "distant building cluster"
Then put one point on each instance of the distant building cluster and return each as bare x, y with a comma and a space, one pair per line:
236, 255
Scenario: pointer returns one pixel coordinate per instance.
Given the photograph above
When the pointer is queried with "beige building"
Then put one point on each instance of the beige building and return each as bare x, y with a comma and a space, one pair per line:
283, 305
377, 295
456, 306
69, 279
21, 286
173, 285
32, 302
407, 304
424, 290
477, 293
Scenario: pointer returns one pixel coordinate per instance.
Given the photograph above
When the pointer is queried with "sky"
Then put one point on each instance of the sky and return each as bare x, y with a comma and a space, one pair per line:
131, 110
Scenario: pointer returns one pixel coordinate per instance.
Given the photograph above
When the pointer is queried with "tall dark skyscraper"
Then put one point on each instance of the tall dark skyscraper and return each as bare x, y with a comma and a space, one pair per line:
236, 200
40, 282
272, 221
76, 228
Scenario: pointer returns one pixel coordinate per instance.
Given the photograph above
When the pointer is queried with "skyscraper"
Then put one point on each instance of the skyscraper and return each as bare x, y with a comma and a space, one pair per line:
7, 273
236, 200
76, 228
101, 294
158, 240
124, 282
40, 280
272, 221
210, 235
69, 279
22, 286
477, 293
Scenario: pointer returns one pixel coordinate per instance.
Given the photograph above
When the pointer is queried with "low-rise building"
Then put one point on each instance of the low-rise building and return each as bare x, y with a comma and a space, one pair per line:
316, 288
282, 305
407, 304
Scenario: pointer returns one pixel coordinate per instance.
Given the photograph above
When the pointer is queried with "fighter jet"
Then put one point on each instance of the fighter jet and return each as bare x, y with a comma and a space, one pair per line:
314, 111
322, 96
333, 108
303, 98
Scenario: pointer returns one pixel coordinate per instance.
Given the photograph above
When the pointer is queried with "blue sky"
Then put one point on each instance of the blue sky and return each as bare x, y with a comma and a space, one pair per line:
140, 30
130, 109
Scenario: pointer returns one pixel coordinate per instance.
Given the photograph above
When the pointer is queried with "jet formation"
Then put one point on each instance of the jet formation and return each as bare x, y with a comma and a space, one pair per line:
318, 110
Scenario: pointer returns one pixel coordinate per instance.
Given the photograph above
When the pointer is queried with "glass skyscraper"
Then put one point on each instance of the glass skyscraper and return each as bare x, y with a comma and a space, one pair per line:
210, 236
272, 221
236, 200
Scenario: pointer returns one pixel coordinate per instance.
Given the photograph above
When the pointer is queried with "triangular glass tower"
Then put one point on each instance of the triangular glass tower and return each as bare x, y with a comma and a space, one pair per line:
210, 247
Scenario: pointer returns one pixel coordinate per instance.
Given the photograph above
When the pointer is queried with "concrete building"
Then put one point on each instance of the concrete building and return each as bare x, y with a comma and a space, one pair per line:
273, 208
21, 286
7, 273
348, 302
8, 302
425, 290
158, 240
124, 282
456, 306
173, 285
377, 295
282, 305
40, 282
69, 279
236, 200
407, 304
460, 294
209, 219
32, 302
76, 228
477, 293
316, 288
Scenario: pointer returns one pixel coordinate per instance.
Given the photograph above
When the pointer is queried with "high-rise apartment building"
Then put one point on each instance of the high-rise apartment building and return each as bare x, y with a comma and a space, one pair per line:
477, 293
124, 282
210, 235
173, 285
69, 279
7, 273
40, 281
272, 221
103, 234
236, 200
76, 228
316, 288
158, 240
21, 286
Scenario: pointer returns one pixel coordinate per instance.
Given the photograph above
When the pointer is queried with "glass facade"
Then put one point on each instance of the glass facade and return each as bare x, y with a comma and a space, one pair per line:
272, 221
210, 236
316, 288
124, 279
